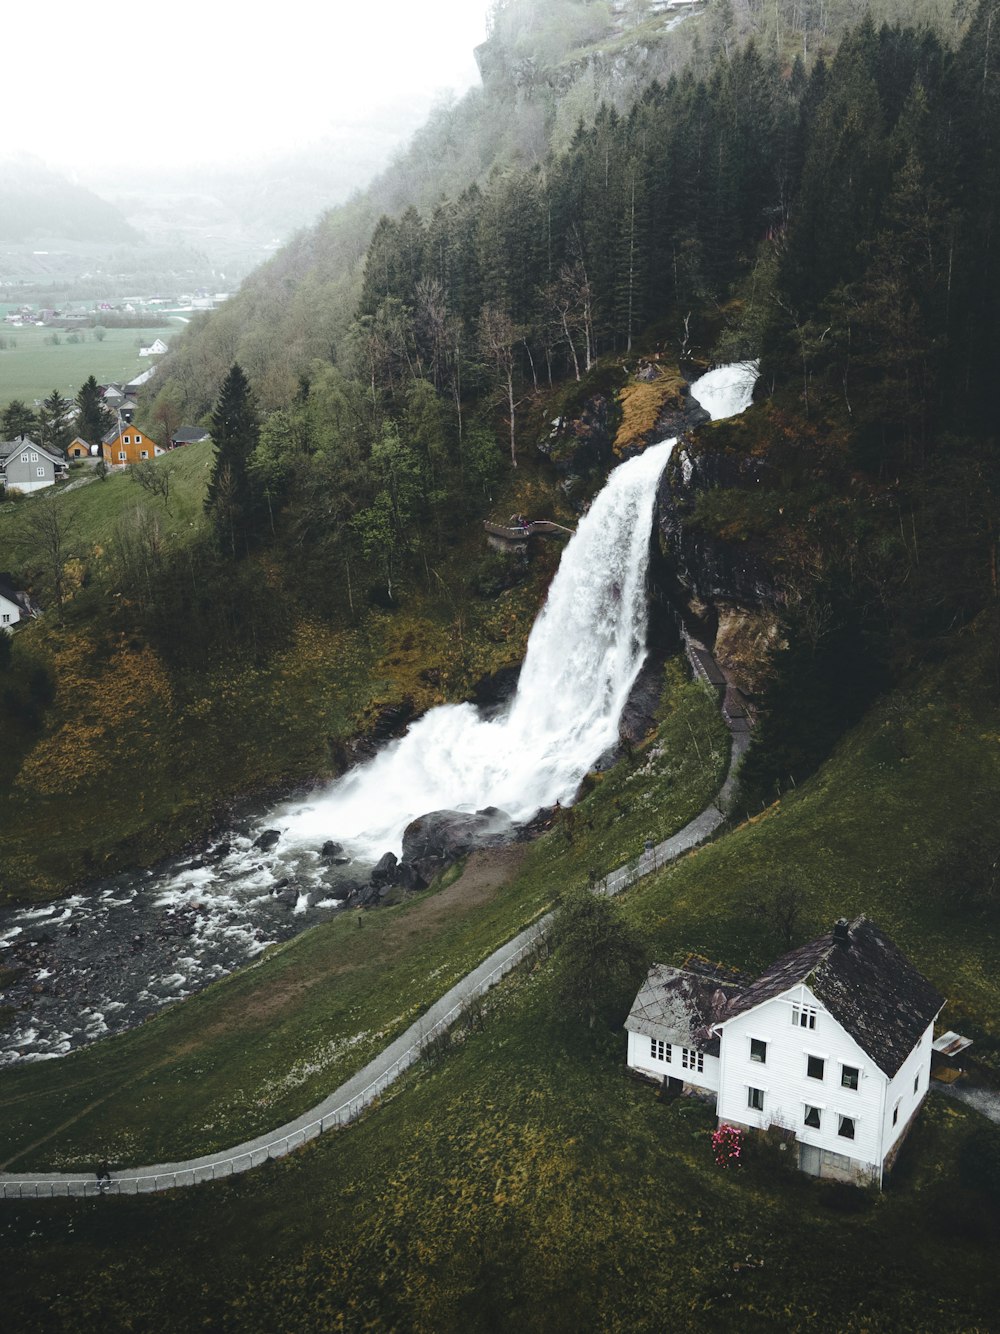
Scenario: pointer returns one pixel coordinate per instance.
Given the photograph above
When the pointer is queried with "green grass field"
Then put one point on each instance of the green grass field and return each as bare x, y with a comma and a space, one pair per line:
267, 1043
31, 367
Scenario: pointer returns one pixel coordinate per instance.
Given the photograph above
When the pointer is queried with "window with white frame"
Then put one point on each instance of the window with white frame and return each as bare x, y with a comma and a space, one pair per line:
24, 458
659, 1050
758, 1050
815, 1067
39, 472
122, 454
813, 1117
755, 1099
34, 458
804, 1016
692, 1060
138, 440
144, 453
845, 1127
126, 440
850, 1076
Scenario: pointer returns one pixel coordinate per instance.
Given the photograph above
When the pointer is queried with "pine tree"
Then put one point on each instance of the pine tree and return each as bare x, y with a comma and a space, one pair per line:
232, 499
94, 420
53, 428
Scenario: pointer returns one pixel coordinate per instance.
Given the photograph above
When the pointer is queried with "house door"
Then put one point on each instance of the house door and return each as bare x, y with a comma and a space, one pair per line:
810, 1159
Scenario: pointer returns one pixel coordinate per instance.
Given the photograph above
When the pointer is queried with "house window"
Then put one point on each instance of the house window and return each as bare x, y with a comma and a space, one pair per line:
34, 458
845, 1127
804, 1016
24, 458
122, 454
6, 618
895, 1114
755, 1099
849, 1075
758, 1050
138, 440
40, 472
812, 1117
659, 1050
144, 453
126, 440
916, 1081
815, 1066
692, 1060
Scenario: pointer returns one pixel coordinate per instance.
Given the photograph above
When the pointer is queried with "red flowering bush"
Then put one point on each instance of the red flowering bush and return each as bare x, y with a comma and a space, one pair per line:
727, 1145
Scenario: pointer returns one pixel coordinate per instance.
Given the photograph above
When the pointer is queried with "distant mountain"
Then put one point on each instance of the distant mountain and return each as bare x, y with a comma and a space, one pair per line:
40, 205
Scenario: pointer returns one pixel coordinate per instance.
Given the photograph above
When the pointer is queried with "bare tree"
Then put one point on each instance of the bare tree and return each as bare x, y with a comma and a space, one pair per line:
45, 541
498, 338
152, 479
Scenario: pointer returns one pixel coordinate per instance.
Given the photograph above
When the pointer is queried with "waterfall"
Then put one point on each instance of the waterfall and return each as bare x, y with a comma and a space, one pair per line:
195, 920
584, 653
583, 656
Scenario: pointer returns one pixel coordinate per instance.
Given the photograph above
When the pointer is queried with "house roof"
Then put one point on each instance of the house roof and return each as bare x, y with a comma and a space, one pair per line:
868, 985
190, 435
684, 1004
20, 599
9, 447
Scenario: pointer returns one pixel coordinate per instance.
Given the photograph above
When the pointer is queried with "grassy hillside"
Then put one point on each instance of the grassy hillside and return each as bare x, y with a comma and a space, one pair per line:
184, 740
522, 1180
269, 1042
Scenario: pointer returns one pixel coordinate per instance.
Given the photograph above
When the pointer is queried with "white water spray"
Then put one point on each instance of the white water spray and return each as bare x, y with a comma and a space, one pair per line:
584, 654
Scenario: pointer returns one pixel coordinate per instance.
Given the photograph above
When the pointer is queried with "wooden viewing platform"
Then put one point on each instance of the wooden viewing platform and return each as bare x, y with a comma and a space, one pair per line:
533, 529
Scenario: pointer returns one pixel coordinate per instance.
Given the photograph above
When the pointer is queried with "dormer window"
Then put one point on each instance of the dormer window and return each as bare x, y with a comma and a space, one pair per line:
804, 1016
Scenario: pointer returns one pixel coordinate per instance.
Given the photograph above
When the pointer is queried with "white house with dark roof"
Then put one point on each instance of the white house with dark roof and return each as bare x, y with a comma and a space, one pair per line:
15, 607
832, 1043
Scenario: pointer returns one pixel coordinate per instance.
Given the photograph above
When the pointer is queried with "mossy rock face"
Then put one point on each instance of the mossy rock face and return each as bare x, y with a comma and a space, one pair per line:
581, 442
654, 406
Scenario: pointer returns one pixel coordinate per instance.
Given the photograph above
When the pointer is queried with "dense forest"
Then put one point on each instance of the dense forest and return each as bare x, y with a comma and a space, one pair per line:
834, 216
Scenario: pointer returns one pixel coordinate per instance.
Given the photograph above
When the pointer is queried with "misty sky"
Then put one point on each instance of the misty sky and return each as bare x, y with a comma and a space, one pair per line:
194, 81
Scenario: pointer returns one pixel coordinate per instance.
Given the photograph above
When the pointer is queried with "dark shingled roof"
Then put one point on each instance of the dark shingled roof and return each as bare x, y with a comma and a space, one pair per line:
683, 1003
867, 984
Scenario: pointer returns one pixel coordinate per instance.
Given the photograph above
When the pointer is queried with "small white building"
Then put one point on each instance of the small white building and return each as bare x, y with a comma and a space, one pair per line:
15, 607
832, 1043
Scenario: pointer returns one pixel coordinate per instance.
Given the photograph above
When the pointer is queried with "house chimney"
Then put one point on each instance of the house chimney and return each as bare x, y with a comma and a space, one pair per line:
841, 934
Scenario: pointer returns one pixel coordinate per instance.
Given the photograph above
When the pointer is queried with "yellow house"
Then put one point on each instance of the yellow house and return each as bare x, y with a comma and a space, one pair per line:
126, 444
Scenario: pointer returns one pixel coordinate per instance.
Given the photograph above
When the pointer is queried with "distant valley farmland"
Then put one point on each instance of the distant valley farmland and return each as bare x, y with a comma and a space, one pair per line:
32, 364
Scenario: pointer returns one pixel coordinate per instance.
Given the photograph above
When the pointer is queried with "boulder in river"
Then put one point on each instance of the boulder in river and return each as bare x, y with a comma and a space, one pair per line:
267, 839
331, 849
448, 835
384, 872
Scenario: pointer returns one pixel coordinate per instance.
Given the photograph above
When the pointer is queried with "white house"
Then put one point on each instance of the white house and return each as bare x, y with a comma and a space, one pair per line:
831, 1043
155, 349
15, 607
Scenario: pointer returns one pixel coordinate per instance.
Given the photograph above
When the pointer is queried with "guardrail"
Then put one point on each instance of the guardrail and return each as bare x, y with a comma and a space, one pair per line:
214, 1169
218, 1168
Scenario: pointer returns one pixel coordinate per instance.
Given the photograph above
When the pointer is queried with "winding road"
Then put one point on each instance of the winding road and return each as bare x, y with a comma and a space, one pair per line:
348, 1101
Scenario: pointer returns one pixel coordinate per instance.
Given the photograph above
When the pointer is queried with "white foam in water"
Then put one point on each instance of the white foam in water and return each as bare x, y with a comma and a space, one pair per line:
584, 653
